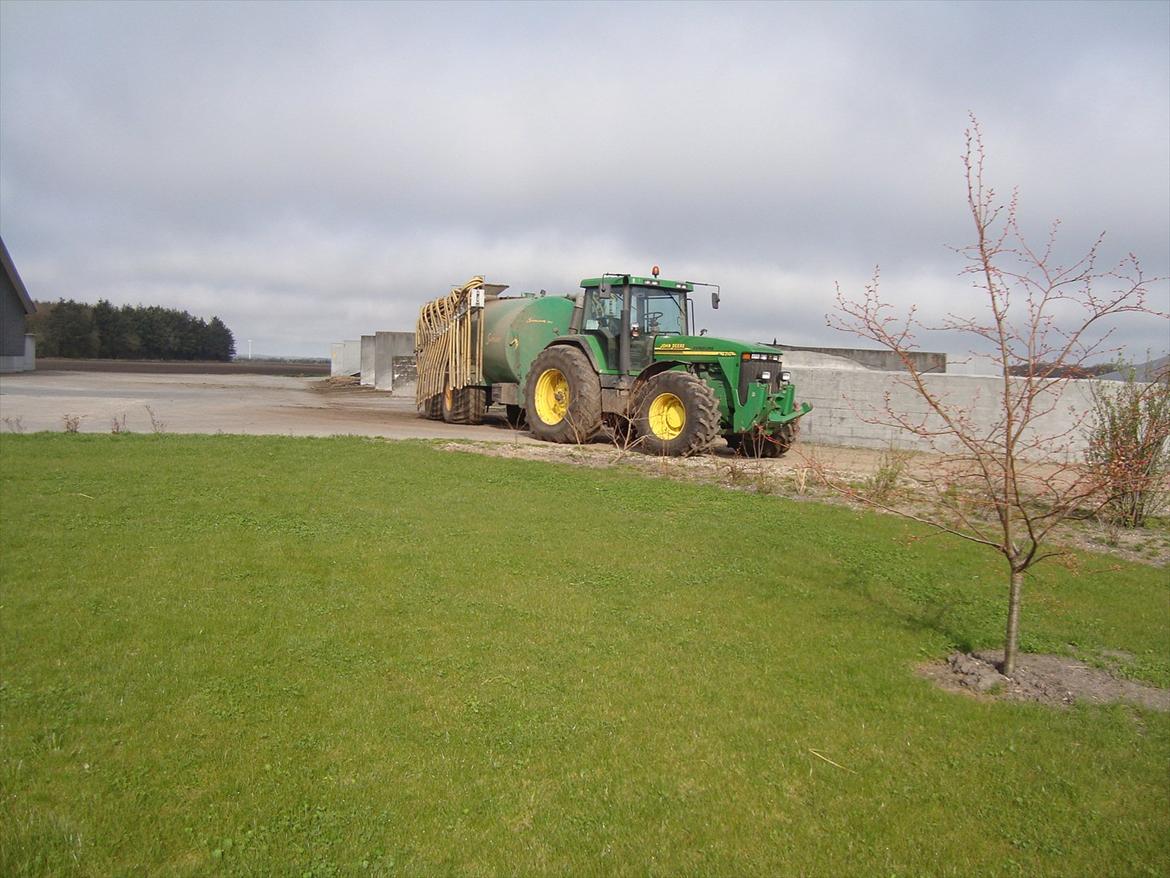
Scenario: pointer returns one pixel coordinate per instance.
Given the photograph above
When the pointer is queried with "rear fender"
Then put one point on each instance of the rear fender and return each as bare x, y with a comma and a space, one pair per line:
583, 343
587, 345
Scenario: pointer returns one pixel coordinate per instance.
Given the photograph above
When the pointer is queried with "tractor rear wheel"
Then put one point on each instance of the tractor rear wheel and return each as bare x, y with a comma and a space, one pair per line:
432, 408
676, 414
563, 396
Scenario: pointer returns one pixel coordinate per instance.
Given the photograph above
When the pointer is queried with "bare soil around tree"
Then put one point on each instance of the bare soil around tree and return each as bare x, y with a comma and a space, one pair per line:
1054, 680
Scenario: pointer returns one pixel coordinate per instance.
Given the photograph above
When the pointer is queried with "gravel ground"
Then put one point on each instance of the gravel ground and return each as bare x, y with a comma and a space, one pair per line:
252, 404
194, 367
289, 406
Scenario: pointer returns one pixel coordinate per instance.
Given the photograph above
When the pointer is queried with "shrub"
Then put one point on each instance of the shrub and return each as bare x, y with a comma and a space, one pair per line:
1129, 448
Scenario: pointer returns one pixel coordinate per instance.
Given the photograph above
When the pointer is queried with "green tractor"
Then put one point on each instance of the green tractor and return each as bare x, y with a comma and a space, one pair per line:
619, 356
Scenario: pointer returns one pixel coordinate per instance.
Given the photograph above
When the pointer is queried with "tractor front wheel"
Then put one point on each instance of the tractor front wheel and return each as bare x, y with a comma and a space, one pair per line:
676, 414
563, 396
761, 445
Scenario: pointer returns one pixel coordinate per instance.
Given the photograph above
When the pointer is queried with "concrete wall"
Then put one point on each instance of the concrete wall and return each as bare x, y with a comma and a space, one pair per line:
924, 361
843, 400
351, 357
367, 361
336, 358
387, 347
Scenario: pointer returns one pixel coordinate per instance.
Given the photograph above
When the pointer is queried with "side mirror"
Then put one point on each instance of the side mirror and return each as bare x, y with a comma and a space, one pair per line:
715, 300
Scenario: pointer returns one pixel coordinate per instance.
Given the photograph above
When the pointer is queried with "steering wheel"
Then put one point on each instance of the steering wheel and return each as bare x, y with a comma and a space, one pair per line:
651, 321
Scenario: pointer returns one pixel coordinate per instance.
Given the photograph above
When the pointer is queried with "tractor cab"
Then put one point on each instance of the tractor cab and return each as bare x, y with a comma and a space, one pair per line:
625, 313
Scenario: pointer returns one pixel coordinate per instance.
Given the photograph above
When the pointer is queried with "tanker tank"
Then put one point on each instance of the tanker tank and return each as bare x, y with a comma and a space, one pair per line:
516, 329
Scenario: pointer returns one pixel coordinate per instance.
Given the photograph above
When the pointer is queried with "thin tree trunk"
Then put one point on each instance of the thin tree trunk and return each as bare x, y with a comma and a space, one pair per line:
1013, 624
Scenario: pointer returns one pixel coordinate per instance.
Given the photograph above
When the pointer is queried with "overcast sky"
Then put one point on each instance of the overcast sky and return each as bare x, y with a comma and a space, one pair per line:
310, 172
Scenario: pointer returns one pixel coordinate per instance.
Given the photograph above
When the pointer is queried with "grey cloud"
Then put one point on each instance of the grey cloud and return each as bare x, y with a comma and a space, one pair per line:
262, 159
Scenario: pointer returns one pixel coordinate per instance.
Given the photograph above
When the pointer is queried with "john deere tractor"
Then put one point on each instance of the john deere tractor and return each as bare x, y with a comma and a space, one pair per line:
618, 356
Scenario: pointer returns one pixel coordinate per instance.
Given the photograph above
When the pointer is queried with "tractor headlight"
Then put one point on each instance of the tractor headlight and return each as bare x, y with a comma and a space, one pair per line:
786, 377
765, 376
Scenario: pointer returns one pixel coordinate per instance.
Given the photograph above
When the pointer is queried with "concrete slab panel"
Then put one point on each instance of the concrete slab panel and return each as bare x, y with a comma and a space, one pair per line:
388, 347
366, 366
351, 360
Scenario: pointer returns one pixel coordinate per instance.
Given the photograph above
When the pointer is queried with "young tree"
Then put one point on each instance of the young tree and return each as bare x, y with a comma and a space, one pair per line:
1007, 485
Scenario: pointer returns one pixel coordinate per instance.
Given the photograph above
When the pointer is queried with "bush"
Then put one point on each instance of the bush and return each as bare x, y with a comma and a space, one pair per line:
1129, 448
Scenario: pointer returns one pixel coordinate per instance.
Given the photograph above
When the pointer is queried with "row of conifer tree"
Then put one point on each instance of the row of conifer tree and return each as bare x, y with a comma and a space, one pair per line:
66, 328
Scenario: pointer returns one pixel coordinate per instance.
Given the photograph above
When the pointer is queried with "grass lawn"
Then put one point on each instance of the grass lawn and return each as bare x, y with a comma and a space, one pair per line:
342, 656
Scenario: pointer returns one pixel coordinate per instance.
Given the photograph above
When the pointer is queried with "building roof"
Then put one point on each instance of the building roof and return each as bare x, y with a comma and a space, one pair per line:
14, 278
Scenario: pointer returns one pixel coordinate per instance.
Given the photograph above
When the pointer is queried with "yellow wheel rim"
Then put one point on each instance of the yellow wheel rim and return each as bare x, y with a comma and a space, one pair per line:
448, 399
668, 416
552, 396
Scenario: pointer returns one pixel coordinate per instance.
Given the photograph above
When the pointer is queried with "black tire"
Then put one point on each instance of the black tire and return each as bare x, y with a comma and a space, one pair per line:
765, 445
515, 416
448, 408
618, 429
473, 400
463, 406
691, 419
785, 436
431, 408
570, 409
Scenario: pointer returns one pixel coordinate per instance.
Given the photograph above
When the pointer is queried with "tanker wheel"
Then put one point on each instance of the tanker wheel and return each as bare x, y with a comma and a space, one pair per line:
432, 407
476, 404
563, 396
449, 407
676, 414
463, 406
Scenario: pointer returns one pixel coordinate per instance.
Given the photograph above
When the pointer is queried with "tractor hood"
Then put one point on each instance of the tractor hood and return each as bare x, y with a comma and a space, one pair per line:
692, 348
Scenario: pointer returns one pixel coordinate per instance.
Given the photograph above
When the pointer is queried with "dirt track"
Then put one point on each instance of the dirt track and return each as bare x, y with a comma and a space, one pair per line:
278, 405
201, 367
255, 404
261, 404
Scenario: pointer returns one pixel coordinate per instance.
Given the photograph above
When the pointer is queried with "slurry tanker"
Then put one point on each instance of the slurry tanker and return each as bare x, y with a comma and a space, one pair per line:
620, 356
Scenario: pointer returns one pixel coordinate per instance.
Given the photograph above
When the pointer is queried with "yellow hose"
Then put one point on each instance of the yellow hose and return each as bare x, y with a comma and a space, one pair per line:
448, 343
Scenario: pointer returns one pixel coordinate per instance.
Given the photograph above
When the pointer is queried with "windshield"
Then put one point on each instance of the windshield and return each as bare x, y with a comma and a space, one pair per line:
657, 312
